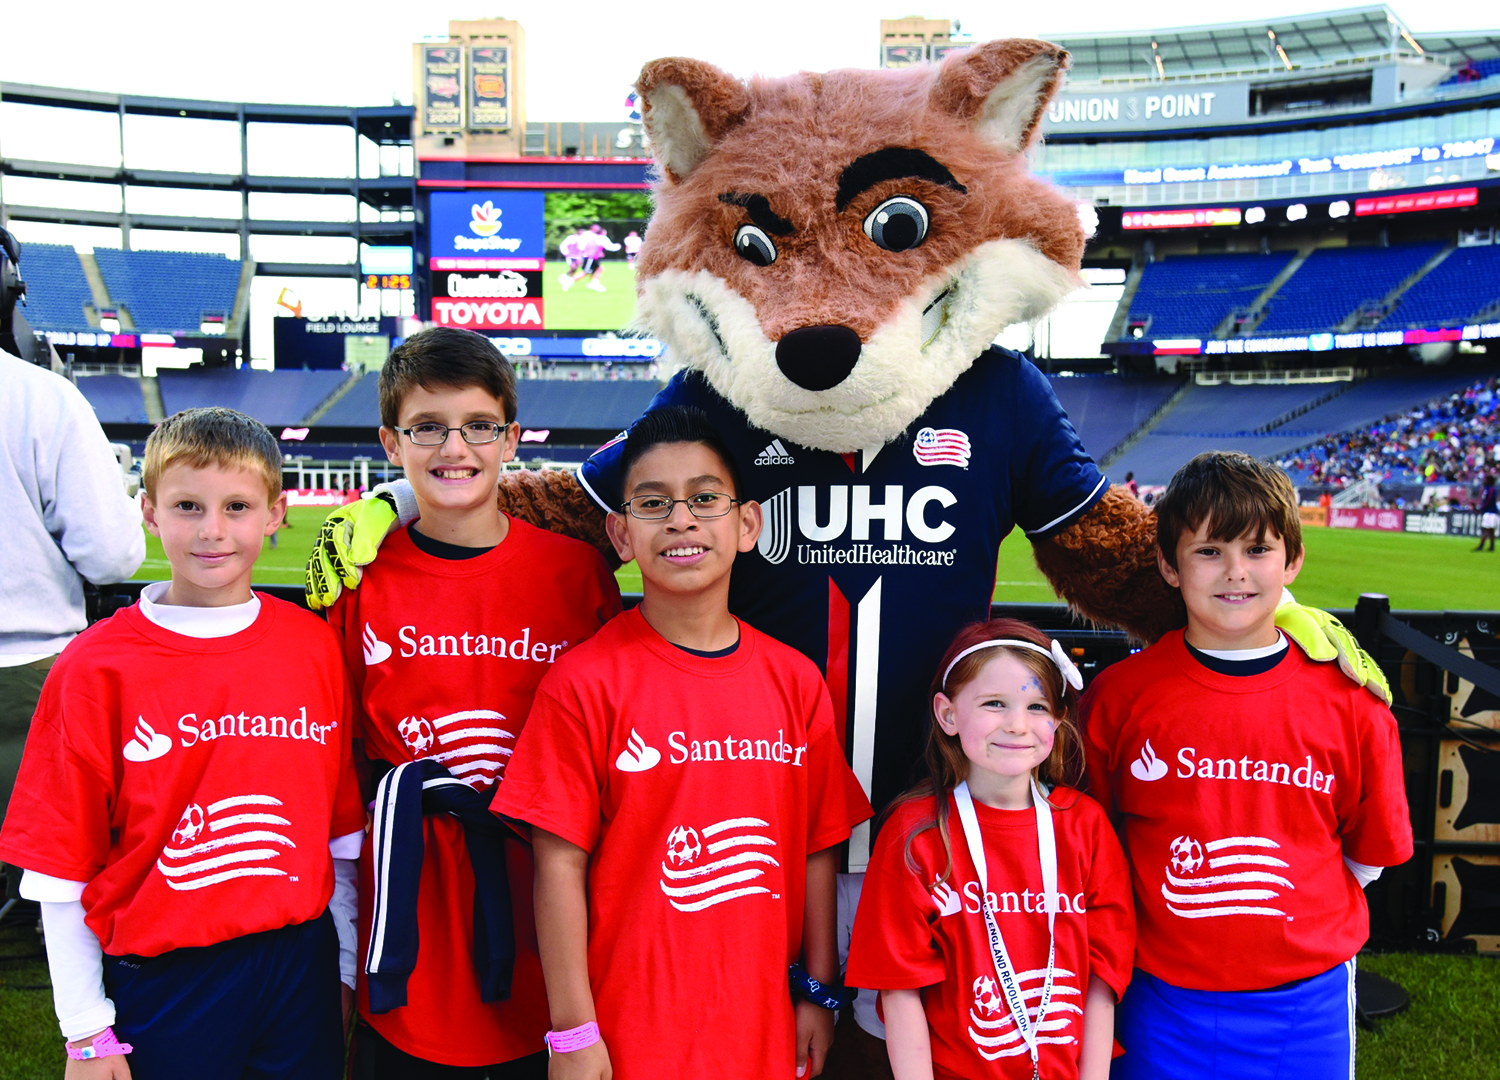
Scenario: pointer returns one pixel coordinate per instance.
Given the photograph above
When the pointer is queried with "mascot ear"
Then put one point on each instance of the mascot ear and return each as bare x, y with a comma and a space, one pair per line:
1001, 87
688, 106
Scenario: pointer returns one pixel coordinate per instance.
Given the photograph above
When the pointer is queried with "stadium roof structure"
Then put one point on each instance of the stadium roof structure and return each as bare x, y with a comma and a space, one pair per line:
1275, 46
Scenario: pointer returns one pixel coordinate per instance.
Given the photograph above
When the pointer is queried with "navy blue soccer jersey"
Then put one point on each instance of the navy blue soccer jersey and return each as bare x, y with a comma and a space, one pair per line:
869, 562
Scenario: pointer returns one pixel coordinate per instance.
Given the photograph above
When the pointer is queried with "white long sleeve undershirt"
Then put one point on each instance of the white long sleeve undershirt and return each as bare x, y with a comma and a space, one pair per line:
75, 958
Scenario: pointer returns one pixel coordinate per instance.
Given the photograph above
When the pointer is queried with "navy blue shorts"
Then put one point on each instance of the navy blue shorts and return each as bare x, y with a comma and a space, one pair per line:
1301, 1031
263, 1005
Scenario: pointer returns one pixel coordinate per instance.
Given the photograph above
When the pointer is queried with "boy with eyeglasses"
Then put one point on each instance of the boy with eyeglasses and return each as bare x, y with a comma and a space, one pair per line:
457, 621
686, 791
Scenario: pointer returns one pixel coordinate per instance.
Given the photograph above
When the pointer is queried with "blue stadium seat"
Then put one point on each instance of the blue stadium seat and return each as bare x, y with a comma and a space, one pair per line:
272, 397
56, 290
117, 399
1464, 283
169, 292
1333, 282
1189, 295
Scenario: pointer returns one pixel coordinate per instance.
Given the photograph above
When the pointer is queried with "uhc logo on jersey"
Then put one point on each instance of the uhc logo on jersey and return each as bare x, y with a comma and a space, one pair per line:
853, 512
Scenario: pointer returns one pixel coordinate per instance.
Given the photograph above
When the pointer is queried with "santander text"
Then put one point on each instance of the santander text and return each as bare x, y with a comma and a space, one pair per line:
1032, 903
1247, 768
731, 749
244, 726
521, 648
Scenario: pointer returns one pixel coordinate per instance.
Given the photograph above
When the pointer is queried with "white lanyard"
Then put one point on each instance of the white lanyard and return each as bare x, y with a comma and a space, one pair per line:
1046, 843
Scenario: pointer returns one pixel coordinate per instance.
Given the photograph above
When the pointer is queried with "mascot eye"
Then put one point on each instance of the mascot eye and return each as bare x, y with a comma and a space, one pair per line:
898, 224
754, 245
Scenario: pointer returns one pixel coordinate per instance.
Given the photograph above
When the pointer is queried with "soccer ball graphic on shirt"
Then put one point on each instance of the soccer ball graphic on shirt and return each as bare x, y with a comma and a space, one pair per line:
1187, 856
189, 827
683, 845
986, 995
416, 732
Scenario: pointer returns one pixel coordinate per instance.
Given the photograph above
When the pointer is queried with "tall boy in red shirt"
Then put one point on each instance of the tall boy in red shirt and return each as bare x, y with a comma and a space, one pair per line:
686, 790
457, 621
1257, 791
187, 800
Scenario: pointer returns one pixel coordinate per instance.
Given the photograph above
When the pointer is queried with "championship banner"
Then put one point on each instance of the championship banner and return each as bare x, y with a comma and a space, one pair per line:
900, 56
442, 88
489, 87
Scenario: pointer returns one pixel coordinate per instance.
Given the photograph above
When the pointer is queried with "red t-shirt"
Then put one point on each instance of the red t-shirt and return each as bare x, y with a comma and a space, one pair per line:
446, 655
193, 783
911, 934
699, 785
1239, 797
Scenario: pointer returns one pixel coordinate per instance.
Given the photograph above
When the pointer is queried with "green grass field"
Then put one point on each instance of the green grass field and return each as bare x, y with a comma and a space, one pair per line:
580, 308
1416, 572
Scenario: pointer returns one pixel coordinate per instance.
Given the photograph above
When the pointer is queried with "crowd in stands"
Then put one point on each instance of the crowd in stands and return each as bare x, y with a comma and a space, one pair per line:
1451, 439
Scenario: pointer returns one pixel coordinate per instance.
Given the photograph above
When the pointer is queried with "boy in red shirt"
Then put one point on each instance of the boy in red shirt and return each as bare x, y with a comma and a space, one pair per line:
455, 625
1257, 793
686, 790
187, 809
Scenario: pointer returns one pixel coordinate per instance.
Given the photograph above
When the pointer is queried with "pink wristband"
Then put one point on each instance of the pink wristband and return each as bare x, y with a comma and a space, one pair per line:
103, 1045
565, 1042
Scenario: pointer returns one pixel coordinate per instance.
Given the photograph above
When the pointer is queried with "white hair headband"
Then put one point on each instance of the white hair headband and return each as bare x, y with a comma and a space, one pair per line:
1065, 665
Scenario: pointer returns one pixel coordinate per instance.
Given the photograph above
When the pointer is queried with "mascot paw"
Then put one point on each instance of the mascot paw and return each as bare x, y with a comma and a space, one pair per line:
347, 541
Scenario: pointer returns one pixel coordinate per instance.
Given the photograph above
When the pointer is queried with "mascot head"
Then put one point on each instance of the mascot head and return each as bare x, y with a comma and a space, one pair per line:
833, 251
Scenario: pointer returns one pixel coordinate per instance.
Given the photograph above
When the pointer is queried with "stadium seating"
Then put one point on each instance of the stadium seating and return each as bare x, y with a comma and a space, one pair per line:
1456, 289
272, 397
360, 407
169, 291
1333, 282
1476, 70
116, 399
1189, 295
56, 290
1105, 409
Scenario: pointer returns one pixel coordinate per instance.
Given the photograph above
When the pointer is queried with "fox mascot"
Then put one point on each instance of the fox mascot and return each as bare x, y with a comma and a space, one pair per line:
829, 260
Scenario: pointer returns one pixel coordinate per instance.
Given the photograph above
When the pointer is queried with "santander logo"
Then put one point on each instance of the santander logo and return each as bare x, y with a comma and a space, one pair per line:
637, 756
148, 744
946, 900
376, 651
1148, 766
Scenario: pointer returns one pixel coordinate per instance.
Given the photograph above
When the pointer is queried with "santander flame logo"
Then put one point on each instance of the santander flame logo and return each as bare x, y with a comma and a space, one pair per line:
1148, 766
946, 900
637, 756
376, 651
486, 221
148, 744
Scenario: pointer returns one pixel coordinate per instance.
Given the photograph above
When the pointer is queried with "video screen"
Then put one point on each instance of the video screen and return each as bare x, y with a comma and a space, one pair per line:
528, 260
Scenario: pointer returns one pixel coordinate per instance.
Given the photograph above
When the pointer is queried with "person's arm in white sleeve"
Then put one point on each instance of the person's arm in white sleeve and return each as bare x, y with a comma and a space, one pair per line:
75, 960
344, 905
84, 505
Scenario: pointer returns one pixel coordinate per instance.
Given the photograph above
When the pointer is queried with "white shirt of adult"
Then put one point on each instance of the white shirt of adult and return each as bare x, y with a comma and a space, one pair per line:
67, 515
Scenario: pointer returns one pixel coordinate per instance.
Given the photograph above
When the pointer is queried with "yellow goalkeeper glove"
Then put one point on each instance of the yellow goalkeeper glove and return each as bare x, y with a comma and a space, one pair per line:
1322, 637
347, 541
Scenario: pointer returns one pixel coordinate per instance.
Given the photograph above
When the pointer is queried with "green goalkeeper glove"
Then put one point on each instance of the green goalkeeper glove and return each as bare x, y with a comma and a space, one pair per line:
1322, 637
347, 541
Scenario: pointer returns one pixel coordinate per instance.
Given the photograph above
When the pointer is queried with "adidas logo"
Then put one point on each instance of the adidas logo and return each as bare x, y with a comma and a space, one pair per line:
775, 454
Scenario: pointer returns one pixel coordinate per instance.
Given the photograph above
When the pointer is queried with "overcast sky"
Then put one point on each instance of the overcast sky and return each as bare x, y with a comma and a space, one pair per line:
581, 56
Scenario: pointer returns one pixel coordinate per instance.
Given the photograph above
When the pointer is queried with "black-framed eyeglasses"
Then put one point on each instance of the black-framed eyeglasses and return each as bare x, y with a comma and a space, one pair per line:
704, 506
475, 432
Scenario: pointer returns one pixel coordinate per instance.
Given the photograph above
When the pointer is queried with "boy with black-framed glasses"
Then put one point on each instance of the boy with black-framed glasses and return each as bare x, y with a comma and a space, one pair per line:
457, 621
686, 790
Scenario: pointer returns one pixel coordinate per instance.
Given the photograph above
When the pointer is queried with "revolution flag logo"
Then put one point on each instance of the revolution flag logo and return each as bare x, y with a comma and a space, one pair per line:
993, 1029
242, 837
694, 879
942, 446
1249, 884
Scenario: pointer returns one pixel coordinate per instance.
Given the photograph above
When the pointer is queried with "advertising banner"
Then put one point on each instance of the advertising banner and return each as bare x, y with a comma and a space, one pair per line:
1366, 518
500, 299
319, 497
488, 223
1444, 523
442, 88
489, 87
324, 344
1314, 515
900, 56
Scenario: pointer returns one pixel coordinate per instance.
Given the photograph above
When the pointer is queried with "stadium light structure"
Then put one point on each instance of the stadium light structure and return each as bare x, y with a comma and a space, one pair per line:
1255, 215
1296, 212
1338, 208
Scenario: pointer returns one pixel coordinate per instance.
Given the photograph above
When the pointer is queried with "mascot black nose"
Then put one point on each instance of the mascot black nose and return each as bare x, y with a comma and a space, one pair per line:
818, 357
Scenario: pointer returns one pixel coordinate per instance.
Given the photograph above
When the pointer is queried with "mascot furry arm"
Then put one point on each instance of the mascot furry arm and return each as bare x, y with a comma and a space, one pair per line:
829, 259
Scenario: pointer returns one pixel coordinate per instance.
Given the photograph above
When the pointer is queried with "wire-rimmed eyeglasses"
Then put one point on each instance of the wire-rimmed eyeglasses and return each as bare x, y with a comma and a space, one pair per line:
704, 506
475, 432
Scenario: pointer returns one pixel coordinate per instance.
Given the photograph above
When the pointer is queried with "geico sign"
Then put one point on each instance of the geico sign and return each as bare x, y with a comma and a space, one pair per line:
513, 346
496, 315
620, 347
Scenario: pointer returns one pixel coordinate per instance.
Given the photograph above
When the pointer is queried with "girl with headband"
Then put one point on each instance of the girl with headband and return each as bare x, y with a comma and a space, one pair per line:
1000, 955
